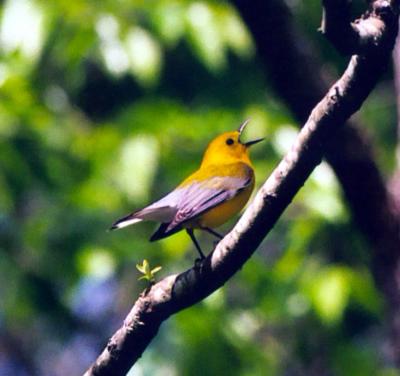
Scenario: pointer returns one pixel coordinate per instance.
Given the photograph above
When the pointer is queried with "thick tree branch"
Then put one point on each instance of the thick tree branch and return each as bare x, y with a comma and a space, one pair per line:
298, 78
386, 222
177, 292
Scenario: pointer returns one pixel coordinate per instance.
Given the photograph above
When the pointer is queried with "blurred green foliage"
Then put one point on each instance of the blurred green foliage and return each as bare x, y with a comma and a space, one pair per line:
105, 106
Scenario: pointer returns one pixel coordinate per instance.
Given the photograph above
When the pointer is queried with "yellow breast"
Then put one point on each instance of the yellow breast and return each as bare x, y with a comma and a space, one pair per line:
222, 213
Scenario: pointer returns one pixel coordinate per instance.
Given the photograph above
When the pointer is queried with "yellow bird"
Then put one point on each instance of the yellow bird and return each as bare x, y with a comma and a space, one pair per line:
209, 197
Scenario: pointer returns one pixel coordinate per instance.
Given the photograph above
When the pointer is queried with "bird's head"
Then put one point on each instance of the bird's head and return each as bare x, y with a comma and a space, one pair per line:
229, 148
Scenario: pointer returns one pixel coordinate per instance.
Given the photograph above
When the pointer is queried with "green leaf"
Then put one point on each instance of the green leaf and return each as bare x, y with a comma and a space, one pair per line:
148, 273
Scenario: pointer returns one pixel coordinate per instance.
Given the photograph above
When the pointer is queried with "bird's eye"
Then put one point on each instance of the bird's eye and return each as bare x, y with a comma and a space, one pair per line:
229, 141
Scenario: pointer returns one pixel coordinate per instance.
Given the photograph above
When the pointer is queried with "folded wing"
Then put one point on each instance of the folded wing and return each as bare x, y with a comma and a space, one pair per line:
199, 196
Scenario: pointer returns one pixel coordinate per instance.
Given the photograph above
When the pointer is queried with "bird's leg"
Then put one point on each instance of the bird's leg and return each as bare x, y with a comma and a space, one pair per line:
196, 244
211, 231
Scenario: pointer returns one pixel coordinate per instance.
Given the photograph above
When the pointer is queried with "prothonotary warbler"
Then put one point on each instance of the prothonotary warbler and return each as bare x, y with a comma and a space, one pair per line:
209, 197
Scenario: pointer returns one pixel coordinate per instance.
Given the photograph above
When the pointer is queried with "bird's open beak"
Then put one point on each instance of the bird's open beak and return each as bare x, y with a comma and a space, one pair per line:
249, 143
241, 129
243, 126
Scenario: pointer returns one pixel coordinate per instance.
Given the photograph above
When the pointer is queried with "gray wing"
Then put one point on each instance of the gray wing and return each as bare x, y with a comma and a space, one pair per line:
198, 197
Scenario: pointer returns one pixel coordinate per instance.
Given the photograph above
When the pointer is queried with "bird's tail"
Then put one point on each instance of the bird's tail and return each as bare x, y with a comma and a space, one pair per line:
125, 221
153, 212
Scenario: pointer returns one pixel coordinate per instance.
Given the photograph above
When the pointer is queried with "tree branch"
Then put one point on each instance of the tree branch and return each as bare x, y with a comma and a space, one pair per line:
297, 77
177, 292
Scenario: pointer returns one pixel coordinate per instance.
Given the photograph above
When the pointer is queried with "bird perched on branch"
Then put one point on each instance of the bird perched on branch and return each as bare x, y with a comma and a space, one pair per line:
209, 197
